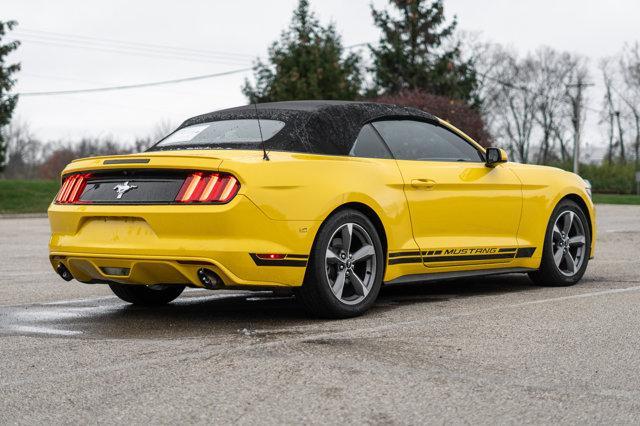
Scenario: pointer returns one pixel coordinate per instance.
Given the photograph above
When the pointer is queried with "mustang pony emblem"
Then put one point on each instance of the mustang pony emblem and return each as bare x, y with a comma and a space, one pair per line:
123, 188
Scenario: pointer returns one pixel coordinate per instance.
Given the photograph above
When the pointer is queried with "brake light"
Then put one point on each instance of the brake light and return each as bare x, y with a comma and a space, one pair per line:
72, 189
202, 187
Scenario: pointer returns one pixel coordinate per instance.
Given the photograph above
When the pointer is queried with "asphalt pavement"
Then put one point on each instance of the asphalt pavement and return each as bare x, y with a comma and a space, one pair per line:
489, 350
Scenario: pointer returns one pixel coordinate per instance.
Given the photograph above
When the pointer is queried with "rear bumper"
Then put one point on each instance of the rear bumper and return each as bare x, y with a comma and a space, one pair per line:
148, 270
167, 244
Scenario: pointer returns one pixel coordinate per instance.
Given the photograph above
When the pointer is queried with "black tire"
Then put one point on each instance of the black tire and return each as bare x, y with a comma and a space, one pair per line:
145, 296
549, 274
316, 293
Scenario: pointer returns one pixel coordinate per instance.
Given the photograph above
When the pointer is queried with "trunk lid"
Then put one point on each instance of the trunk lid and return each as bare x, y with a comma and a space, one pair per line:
181, 160
146, 178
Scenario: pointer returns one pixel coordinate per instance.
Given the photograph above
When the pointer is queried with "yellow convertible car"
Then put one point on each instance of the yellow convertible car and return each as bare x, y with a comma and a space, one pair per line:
329, 199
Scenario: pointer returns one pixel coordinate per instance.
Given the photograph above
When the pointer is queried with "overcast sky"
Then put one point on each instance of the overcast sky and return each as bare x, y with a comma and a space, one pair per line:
223, 35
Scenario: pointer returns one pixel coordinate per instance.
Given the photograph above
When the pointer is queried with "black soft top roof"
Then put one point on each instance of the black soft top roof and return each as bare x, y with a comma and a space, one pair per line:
319, 127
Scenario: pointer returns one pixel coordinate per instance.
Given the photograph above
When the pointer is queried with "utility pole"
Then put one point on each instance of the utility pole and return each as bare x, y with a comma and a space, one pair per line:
623, 156
611, 137
576, 106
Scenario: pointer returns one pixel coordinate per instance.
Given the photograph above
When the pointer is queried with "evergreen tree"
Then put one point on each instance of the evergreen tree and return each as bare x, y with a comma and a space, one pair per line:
7, 102
307, 62
416, 51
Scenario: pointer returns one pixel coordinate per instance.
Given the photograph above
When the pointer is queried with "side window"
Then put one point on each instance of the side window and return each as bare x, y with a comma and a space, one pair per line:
416, 140
369, 145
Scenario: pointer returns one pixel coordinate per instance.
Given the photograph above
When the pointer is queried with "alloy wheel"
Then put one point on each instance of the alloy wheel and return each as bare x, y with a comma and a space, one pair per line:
350, 263
569, 243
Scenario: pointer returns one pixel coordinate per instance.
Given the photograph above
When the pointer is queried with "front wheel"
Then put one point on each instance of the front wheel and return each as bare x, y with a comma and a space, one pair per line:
566, 249
147, 295
345, 269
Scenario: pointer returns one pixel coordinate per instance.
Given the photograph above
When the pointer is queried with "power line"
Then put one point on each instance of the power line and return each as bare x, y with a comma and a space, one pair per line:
207, 76
134, 44
137, 48
134, 52
168, 53
92, 82
130, 44
536, 93
140, 85
134, 86
353, 46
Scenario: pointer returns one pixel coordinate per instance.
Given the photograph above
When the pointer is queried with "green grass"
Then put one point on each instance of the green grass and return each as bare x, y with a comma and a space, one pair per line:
27, 196
616, 199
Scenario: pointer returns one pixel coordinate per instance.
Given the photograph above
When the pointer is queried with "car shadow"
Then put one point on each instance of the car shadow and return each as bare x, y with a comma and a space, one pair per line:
458, 288
240, 314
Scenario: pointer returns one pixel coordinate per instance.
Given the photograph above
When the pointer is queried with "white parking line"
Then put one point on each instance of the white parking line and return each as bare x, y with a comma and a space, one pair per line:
352, 332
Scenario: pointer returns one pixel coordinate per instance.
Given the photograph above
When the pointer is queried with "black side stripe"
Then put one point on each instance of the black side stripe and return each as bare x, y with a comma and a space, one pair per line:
404, 253
526, 252
297, 256
405, 260
277, 262
434, 256
520, 253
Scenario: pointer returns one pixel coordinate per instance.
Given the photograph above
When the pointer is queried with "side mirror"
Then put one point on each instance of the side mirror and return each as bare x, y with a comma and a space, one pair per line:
495, 156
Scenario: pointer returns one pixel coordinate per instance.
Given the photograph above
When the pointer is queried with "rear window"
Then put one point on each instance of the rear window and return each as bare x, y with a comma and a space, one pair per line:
229, 134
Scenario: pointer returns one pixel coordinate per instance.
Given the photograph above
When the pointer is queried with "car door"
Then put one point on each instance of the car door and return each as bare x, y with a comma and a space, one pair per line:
462, 212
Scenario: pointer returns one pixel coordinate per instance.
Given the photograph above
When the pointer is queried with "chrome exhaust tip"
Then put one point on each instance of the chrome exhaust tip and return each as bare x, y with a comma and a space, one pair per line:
64, 272
209, 279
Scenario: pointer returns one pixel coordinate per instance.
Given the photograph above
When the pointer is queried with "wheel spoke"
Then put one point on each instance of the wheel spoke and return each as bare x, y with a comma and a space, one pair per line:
363, 253
347, 232
568, 221
578, 240
358, 285
571, 264
350, 245
338, 285
557, 256
332, 257
569, 241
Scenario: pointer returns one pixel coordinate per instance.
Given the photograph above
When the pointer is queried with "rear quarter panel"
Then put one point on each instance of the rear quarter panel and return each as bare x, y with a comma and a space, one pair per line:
304, 187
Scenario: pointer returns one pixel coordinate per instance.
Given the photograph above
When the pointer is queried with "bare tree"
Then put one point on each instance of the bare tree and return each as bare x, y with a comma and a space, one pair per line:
24, 151
609, 109
630, 75
553, 71
526, 100
30, 158
510, 99
576, 99
621, 112
162, 129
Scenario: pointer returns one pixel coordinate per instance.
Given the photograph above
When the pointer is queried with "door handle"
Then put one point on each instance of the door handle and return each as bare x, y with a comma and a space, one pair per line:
423, 183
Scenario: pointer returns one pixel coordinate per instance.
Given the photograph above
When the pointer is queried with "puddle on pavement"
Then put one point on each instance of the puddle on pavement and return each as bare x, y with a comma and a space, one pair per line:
237, 314
189, 316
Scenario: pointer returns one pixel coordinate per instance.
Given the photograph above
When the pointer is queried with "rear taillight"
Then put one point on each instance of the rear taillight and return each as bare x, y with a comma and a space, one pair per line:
72, 188
200, 187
